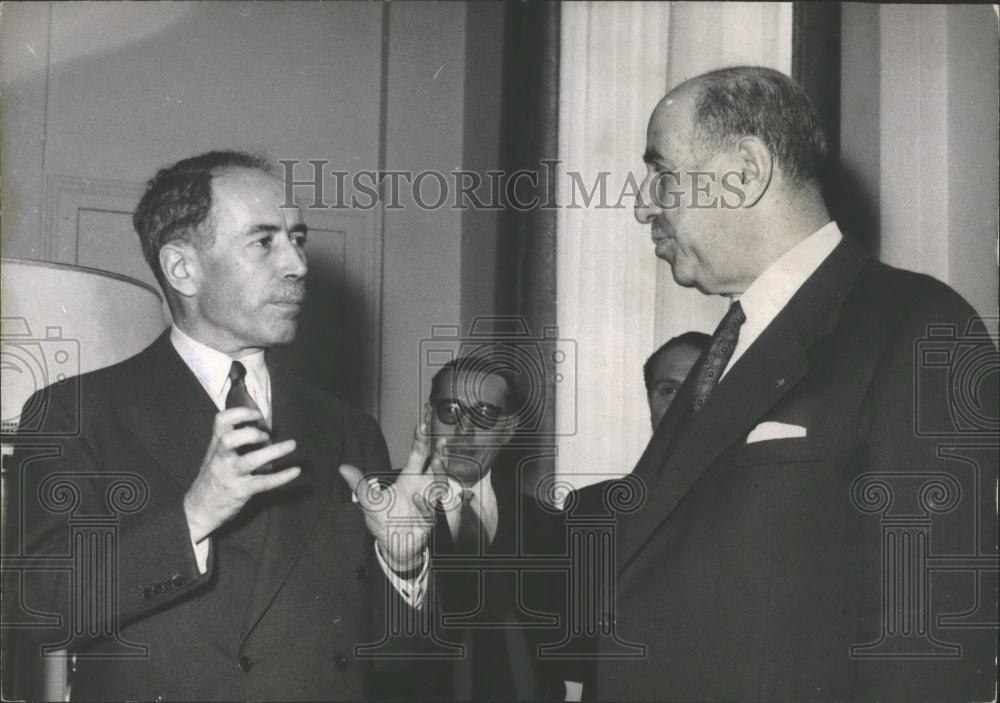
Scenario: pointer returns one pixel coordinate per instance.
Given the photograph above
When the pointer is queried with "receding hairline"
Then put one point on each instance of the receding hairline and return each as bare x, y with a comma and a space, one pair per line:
724, 105
223, 172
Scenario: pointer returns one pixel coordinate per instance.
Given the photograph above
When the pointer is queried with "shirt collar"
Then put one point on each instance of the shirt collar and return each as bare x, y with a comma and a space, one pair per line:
772, 290
476, 488
210, 366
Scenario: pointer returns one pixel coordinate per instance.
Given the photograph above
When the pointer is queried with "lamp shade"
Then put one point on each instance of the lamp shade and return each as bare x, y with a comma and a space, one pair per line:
60, 320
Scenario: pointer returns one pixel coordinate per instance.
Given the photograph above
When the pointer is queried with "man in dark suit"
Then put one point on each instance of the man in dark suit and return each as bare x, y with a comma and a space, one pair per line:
819, 520
237, 565
488, 524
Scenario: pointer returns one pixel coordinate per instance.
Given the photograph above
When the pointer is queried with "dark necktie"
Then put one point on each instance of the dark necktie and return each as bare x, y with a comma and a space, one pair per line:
470, 527
251, 522
239, 397
727, 334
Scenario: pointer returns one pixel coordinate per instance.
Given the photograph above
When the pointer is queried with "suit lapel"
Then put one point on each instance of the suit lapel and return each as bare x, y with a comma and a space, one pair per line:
684, 447
655, 455
169, 412
293, 510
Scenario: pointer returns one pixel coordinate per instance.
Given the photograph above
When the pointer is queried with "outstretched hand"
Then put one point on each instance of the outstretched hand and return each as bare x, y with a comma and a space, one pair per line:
400, 516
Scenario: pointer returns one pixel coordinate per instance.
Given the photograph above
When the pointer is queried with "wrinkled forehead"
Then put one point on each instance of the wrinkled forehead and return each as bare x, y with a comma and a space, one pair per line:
672, 121
471, 386
255, 194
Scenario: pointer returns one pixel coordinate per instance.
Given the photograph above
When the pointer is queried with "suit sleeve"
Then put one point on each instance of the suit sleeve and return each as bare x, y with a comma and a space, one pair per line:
402, 633
926, 441
91, 545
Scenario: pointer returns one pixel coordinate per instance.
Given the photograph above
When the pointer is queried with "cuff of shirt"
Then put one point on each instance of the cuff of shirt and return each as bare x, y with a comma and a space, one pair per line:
200, 552
411, 590
574, 690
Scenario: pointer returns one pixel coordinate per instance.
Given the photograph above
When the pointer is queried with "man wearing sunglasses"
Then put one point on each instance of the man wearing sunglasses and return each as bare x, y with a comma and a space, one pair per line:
486, 519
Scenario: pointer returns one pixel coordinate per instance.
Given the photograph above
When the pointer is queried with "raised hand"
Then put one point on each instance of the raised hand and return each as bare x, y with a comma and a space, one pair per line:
400, 516
226, 480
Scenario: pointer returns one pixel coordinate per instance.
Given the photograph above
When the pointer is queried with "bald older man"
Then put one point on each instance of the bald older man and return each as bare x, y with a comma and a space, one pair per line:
798, 488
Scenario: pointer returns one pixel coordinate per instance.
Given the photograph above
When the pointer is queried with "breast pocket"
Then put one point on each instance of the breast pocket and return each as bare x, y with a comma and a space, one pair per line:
792, 450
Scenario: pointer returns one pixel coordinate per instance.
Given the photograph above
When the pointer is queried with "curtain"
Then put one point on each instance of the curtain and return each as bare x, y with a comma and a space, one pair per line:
615, 299
526, 249
613, 72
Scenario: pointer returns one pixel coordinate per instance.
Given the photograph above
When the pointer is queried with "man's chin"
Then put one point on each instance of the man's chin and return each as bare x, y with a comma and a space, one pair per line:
681, 277
282, 332
464, 467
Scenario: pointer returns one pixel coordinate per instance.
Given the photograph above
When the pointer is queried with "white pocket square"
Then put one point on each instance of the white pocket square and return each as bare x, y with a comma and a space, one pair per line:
774, 430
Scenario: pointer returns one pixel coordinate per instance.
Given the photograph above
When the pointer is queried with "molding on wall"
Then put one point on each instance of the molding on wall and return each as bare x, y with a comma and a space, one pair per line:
65, 196
363, 236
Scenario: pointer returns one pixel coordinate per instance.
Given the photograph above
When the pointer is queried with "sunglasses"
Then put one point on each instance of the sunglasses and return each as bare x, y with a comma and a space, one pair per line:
485, 416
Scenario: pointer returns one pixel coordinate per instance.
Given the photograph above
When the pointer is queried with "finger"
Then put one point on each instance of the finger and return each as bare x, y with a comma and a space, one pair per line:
259, 457
352, 475
268, 482
438, 487
418, 455
366, 489
233, 439
227, 419
436, 464
425, 509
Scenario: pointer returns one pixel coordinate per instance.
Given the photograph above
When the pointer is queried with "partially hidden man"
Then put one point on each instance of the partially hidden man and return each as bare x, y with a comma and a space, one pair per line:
500, 616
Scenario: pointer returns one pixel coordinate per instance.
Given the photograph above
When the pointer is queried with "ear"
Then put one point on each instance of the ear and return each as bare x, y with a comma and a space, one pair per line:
756, 169
179, 264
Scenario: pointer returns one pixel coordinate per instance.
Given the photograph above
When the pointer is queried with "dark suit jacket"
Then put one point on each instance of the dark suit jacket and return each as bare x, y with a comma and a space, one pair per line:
484, 596
291, 587
752, 569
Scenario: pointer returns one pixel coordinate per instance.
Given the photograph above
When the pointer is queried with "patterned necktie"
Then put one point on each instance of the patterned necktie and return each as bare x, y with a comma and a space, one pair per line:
470, 527
727, 334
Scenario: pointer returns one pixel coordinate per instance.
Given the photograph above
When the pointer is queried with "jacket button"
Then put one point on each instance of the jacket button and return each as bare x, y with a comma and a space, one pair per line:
340, 661
361, 572
245, 664
177, 580
158, 588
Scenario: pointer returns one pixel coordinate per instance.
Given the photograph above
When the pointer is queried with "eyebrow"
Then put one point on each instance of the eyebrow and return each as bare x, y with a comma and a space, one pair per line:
271, 229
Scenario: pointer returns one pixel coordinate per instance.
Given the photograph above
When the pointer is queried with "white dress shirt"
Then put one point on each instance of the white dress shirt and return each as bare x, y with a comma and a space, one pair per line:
770, 292
211, 368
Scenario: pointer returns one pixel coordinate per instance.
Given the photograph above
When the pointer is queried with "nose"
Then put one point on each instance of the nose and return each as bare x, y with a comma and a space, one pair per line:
645, 205
293, 260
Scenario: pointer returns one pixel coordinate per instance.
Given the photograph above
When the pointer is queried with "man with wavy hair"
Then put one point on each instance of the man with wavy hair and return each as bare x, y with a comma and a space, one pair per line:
247, 571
